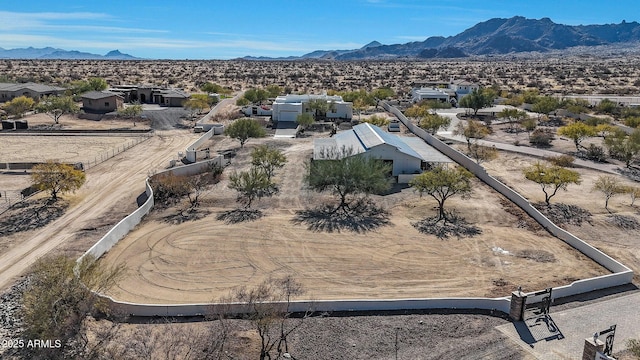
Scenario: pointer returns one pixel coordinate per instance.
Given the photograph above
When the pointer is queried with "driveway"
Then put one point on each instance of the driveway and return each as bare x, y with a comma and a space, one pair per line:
562, 335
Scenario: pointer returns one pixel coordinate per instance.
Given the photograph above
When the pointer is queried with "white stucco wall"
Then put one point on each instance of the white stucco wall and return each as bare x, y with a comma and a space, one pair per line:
402, 163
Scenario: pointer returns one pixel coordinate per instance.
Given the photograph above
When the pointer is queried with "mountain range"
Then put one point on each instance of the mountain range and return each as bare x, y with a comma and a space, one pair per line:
53, 53
496, 36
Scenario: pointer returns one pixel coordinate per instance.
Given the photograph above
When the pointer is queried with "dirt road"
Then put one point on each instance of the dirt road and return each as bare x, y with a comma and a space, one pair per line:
115, 181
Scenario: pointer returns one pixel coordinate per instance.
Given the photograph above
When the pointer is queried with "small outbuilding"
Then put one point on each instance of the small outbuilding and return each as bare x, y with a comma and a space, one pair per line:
101, 102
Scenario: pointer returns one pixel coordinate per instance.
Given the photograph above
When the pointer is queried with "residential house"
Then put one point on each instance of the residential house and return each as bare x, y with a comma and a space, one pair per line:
407, 155
149, 94
10, 91
287, 108
452, 92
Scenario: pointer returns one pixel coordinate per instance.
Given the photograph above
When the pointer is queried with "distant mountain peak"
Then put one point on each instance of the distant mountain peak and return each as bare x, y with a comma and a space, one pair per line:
372, 44
52, 53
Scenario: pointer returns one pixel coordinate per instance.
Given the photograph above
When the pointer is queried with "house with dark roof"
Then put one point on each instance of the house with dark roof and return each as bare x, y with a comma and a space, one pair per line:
101, 102
407, 155
10, 91
149, 94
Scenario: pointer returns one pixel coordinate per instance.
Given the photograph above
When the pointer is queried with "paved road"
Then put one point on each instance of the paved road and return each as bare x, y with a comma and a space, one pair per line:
565, 338
541, 153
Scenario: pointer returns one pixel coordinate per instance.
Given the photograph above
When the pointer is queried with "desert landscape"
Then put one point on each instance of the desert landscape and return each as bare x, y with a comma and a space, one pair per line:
564, 74
197, 261
202, 260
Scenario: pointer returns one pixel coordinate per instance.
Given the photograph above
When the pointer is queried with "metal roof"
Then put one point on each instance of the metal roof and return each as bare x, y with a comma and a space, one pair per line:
366, 136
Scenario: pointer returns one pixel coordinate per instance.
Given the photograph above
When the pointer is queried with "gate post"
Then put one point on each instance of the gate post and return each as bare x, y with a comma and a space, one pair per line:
518, 300
592, 346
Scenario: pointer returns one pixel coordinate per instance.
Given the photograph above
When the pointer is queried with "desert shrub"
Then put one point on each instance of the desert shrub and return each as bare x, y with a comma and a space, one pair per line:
377, 120
596, 153
595, 121
540, 138
632, 121
561, 160
169, 188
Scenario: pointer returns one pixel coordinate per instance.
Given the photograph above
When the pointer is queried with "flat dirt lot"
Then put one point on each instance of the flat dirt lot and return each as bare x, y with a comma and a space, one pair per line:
620, 243
199, 261
111, 187
62, 148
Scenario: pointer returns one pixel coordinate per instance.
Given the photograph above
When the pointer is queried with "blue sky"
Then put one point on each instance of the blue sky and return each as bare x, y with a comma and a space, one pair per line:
195, 29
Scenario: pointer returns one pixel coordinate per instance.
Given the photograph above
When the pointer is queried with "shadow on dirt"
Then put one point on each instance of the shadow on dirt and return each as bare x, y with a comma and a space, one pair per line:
454, 225
239, 215
31, 214
184, 216
362, 217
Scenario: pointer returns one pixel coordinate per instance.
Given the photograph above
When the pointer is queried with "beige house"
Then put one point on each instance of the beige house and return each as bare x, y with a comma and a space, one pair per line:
10, 91
101, 102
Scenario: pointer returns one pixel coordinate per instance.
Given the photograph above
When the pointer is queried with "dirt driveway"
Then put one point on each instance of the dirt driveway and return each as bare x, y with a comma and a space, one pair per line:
115, 182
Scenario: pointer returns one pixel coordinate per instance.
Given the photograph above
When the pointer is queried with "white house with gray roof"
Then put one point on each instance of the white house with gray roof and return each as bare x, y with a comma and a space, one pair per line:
408, 155
288, 107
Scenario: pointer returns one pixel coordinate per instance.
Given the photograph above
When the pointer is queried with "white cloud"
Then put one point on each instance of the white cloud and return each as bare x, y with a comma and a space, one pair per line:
46, 21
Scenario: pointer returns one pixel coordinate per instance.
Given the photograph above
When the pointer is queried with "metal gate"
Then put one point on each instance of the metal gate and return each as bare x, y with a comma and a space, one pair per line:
535, 307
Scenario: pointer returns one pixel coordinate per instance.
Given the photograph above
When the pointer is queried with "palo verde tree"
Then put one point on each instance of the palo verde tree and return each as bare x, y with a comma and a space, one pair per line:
551, 178
376, 120
482, 153
305, 120
82, 86
434, 122
577, 132
268, 159
57, 178
56, 106
320, 108
18, 106
347, 174
251, 185
471, 130
543, 105
622, 146
196, 105
478, 99
56, 300
256, 96
441, 183
244, 129
609, 186
131, 111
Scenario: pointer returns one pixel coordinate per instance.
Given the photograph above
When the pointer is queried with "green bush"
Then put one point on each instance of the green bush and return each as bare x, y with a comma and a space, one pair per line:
632, 121
561, 160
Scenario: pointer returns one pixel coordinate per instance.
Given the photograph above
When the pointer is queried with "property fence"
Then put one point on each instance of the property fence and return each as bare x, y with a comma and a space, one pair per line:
621, 274
8, 198
122, 228
104, 156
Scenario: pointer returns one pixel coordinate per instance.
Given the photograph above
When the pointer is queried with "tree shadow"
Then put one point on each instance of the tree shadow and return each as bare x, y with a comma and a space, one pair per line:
453, 225
362, 217
31, 214
239, 215
184, 216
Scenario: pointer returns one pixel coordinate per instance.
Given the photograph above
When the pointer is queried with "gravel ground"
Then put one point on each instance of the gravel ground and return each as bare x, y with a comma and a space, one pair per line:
166, 118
